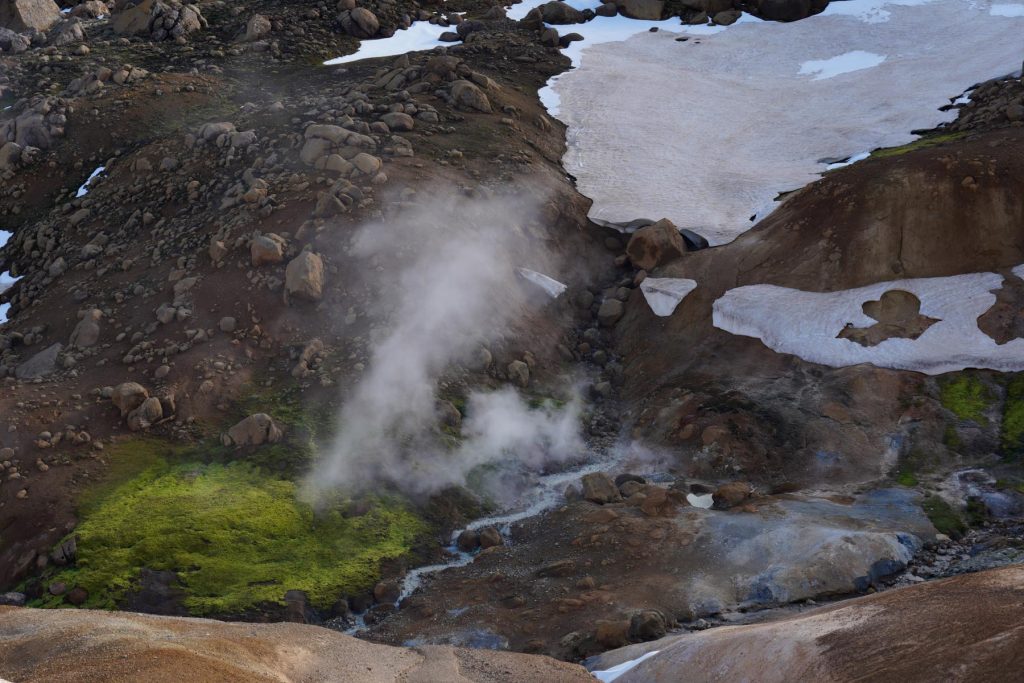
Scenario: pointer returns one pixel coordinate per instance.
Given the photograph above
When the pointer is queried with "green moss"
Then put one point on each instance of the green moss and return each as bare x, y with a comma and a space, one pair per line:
966, 397
943, 517
906, 478
921, 143
1012, 431
235, 536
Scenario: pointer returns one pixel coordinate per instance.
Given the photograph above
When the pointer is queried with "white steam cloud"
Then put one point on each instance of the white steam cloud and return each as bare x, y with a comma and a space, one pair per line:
451, 284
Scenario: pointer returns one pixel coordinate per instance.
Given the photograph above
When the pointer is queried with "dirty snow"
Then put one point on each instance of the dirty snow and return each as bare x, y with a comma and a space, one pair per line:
663, 294
709, 131
806, 324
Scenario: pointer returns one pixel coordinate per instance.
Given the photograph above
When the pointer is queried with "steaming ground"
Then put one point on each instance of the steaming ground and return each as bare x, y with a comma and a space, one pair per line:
453, 291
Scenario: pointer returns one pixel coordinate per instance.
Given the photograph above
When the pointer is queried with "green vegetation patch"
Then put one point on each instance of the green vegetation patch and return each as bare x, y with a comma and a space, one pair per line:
1012, 432
966, 397
906, 478
922, 143
237, 537
943, 517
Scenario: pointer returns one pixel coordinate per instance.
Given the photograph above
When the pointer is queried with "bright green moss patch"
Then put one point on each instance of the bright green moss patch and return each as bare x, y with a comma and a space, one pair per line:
906, 478
922, 143
1012, 432
966, 397
943, 517
235, 536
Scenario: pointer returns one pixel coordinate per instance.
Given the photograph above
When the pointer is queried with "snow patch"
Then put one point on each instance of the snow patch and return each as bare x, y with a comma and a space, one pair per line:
845, 63
609, 675
84, 189
806, 324
1007, 10
728, 109
850, 160
551, 286
700, 501
422, 35
868, 11
6, 280
663, 294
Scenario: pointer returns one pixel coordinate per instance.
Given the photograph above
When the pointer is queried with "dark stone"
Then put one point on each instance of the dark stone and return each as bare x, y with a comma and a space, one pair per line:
468, 541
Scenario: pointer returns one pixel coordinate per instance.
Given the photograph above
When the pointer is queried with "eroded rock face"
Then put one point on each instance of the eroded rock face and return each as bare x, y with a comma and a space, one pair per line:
28, 15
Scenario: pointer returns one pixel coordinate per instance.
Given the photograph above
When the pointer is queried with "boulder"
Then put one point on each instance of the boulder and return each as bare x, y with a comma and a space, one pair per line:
128, 396
610, 312
40, 365
655, 245
641, 9
519, 372
490, 537
786, 10
257, 27
87, 331
397, 120
134, 20
599, 488
146, 415
28, 15
359, 22
726, 18
267, 248
253, 431
10, 156
13, 42
731, 494
367, 164
304, 277
68, 33
467, 96
558, 12
468, 540
90, 9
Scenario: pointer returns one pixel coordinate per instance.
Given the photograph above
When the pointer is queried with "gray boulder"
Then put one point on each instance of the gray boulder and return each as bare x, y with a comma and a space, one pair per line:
39, 365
